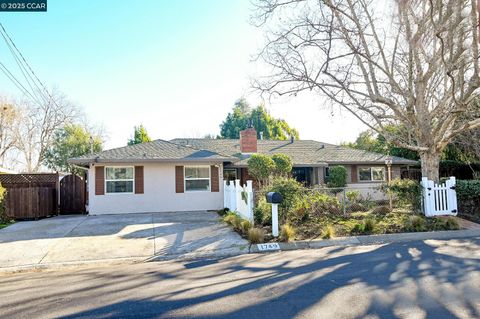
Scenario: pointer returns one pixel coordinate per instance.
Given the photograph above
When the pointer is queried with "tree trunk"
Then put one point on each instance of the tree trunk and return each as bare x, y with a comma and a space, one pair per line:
430, 165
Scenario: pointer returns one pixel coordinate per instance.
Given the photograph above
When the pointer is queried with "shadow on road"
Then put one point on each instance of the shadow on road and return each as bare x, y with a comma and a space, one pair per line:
433, 279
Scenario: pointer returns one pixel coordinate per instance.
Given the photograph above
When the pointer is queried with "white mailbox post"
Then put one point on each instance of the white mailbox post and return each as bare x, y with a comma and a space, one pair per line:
275, 220
275, 199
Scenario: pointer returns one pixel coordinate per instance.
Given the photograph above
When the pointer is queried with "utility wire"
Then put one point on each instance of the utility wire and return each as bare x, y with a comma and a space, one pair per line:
28, 65
24, 72
15, 81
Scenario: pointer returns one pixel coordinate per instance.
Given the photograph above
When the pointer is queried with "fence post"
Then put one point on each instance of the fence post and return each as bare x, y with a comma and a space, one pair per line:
344, 202
452, 195
428, 199
57, 193
236, 194
225, 194
250, 200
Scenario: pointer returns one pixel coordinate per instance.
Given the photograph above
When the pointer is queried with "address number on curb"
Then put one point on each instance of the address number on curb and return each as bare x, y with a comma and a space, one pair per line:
269, 246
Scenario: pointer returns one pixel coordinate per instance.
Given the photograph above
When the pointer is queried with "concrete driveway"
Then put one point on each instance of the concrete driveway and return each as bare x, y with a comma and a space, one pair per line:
66, 239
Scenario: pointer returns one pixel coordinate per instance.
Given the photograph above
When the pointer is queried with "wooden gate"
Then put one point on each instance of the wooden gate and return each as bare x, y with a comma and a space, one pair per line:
72, 195
439, 199
30, 196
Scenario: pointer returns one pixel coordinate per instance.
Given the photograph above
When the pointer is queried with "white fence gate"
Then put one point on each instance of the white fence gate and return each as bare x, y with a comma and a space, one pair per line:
439, 199
239, 198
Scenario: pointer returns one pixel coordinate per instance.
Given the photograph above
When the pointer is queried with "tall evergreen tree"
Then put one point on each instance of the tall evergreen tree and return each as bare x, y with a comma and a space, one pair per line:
140, 135
242, 114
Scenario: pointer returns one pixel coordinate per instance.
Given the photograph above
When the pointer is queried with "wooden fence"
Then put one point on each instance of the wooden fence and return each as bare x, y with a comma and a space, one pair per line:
30, 196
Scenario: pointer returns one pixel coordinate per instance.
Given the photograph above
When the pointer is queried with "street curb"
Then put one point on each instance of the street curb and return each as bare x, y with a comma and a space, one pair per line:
245, 249
368, 240
70, 265
220, 253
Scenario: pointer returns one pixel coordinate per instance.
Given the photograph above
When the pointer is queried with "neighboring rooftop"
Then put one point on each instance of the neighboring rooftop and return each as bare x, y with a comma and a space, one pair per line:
155, 151
302, 152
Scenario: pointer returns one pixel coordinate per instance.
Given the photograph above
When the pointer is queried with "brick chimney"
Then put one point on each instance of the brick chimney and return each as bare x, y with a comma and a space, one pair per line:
248, 140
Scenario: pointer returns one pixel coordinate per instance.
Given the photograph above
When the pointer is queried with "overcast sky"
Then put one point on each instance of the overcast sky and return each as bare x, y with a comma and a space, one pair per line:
176, 67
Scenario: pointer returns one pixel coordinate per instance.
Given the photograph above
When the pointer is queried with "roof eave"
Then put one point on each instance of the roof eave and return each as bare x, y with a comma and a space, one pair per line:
382, 162
294, 165
86, 161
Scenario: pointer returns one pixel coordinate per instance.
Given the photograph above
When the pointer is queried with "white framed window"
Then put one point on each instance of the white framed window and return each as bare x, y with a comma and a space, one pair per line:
371, 174
119, 179
197, 178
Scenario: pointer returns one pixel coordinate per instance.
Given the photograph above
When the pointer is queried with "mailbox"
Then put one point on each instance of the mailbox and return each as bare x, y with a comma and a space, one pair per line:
274, 197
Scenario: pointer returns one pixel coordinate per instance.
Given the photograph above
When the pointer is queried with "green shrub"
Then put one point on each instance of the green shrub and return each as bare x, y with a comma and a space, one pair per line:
301, 209
260, 166
262, 213
369, 226
291, 191
468, 194
353, 196
237, 223
283, 164
445, 223
382, 209
365, 227
322, 203
287, 233
468, 189
328, 232
316, 203
406, 191
415, 223
229, 218
256, 235
338, 177
359, 228
245, 225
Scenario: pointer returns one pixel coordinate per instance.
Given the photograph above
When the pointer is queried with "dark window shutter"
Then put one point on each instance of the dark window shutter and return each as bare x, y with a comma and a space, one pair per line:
354, 174
99, 180
138, 179
179, 181
214, 182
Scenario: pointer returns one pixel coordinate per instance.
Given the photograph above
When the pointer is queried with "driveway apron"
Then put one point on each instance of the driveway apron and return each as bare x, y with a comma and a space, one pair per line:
66, 239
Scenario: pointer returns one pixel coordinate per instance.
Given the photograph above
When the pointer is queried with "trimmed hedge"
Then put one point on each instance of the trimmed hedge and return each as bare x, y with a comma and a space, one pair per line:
468, 195
468, 189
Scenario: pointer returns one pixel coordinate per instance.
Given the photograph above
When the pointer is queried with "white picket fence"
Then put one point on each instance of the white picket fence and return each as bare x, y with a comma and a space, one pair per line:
439, 199
239, 198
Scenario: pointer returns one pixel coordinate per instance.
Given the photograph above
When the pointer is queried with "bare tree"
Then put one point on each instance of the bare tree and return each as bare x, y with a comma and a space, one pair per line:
38, 125
412, 63
9, 122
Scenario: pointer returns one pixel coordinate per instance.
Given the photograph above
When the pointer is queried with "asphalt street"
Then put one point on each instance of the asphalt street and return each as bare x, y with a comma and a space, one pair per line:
418, 279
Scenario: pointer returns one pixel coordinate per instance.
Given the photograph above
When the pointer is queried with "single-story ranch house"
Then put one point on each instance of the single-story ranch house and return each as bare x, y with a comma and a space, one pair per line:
187, 174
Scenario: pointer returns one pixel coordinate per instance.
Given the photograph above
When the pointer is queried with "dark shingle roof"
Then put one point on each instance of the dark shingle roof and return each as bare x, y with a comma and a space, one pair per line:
155, 151
302, 152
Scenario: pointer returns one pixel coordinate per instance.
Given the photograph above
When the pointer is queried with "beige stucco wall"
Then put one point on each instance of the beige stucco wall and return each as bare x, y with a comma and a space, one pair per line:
159, 194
